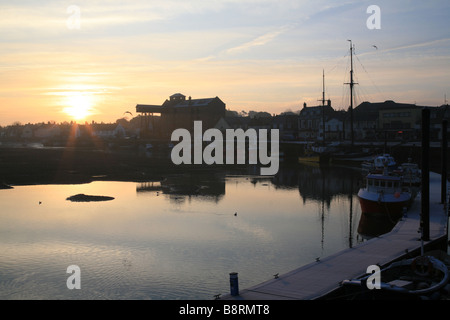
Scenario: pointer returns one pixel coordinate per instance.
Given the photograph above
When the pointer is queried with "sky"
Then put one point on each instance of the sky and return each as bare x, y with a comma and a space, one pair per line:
95, 60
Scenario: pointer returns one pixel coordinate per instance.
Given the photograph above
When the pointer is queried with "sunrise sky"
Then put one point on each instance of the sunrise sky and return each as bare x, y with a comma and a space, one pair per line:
95, 60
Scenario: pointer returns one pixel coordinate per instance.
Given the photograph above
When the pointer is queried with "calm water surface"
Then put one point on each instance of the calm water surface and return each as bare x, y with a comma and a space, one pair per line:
174, 239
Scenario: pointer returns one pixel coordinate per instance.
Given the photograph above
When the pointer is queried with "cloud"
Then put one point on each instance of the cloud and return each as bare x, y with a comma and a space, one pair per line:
429, 44
261, 40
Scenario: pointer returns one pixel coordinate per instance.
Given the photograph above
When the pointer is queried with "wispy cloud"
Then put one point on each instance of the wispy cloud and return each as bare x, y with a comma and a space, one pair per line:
261, 40
252, 53
430, 44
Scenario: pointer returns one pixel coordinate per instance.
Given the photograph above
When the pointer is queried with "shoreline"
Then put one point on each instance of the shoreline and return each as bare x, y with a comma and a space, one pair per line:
30, 166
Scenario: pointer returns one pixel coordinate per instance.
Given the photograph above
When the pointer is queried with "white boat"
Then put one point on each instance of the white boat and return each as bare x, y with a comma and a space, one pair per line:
410, 173
379, 163
383, 194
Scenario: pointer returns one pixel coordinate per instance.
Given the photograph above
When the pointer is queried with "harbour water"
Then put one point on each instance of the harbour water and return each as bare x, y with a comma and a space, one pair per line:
178, 238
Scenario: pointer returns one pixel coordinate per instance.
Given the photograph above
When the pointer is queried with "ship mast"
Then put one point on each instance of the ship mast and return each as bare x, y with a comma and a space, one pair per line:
351, 83
323, 87
323, 106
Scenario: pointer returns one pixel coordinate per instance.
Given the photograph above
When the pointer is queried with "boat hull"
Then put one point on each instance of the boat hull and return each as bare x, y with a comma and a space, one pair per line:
391, 205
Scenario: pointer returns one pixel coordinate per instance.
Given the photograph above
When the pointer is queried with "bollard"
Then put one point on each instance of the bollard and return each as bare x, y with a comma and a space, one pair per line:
234, 284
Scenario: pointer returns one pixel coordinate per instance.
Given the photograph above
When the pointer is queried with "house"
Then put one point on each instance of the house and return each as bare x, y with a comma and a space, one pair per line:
108, 130
288, 124
233, 122
365, 122
27, 132
398, 120
386, 120
47, 131
335, 126
311, 121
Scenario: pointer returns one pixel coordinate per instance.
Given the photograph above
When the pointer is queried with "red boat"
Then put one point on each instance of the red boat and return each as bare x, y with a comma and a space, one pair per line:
384, 195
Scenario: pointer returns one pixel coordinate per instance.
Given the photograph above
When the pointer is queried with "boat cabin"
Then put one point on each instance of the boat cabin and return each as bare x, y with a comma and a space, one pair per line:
384, 161
376, 182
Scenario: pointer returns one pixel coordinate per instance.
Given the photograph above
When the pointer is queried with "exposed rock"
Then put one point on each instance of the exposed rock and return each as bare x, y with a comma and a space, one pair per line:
87, 198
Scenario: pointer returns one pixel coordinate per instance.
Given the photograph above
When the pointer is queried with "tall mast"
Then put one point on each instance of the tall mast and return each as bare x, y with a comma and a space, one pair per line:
351, 92
323, 105
323, 87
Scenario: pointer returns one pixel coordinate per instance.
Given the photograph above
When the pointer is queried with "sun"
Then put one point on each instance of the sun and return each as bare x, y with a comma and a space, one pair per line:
78, 106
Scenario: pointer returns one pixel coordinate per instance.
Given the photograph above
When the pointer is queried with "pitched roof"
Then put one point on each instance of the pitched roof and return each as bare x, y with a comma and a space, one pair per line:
174, 102
194, 103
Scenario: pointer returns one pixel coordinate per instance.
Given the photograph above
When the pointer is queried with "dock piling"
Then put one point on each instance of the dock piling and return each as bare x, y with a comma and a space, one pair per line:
425, 205
234, 284
444, 163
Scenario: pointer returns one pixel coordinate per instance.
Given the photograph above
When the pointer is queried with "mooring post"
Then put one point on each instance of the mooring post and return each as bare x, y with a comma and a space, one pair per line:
425, 212
444, 163
234, 284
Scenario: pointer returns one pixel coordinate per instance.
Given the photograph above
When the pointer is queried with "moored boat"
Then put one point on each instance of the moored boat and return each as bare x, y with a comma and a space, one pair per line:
422, 277
383, 194
410, 173
379, 164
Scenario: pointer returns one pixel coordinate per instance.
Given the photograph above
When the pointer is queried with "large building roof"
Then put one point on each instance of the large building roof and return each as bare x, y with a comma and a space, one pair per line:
176, 100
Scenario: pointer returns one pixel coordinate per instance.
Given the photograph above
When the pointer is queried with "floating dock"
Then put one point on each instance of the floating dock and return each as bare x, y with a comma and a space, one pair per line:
319, 278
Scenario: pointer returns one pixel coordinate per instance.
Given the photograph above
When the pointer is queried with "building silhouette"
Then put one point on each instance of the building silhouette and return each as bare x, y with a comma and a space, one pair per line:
159, 121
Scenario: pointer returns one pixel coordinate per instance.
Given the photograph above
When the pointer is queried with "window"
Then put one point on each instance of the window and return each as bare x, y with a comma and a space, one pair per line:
396, 114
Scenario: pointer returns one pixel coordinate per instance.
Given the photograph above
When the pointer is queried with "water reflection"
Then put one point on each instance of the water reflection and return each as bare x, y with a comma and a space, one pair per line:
175, 238
206, 186
371, 225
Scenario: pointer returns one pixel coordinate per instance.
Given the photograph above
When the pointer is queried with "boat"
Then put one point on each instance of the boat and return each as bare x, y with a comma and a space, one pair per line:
350, 158
410, 173
379, 163
384, 194
314, 154
421, 277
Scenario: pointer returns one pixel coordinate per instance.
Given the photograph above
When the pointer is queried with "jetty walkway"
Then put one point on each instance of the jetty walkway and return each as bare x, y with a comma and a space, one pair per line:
316, 279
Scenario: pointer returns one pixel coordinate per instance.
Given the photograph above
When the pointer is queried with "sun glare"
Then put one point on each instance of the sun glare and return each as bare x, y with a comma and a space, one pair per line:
78, 106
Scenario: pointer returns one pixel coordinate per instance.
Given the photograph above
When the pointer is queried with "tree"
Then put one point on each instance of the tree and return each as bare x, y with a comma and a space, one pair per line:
231, 113
259, 114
